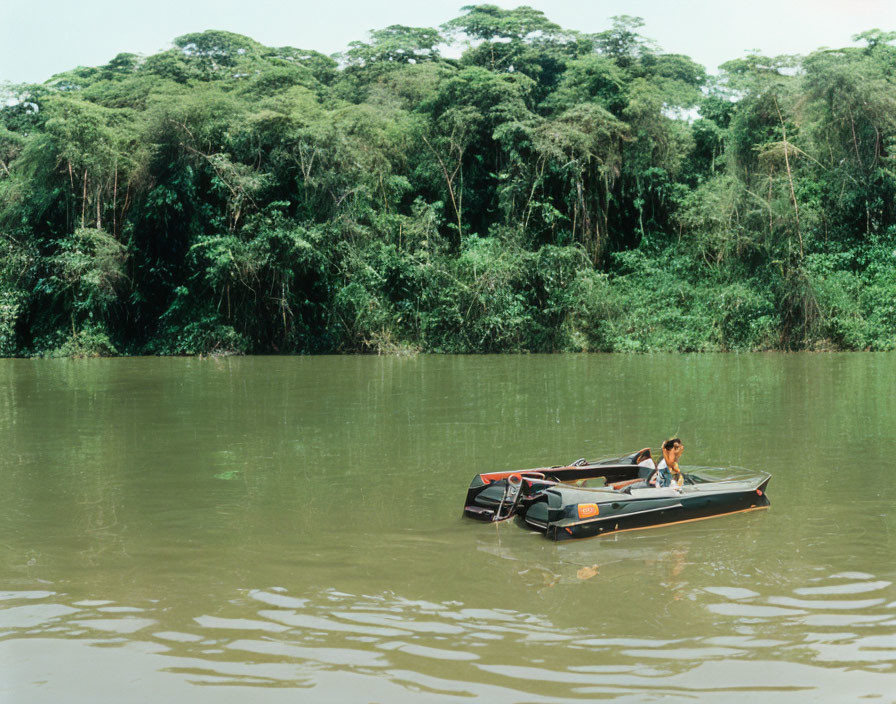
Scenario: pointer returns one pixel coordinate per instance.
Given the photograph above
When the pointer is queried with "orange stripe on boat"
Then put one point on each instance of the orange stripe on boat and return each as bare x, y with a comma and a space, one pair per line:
495, 476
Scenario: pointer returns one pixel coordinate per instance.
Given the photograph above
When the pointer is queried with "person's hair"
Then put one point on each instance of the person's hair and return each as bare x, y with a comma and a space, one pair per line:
669, 444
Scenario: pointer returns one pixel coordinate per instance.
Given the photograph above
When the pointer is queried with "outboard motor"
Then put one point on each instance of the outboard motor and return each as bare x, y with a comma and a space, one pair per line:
497, 499
508, 503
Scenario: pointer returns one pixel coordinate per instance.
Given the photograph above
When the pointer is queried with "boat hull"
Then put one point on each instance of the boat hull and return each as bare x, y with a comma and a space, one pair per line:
646, 511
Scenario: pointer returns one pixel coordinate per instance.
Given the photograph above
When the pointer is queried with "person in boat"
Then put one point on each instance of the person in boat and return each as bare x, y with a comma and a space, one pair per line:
667, 472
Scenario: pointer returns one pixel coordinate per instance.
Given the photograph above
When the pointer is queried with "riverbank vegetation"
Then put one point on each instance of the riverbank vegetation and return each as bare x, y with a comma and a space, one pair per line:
497, 184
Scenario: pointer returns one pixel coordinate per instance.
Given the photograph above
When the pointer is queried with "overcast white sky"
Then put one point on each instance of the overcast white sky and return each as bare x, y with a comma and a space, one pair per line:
41, 37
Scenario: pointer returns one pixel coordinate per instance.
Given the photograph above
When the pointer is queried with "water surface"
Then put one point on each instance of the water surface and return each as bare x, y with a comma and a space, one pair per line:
288, 529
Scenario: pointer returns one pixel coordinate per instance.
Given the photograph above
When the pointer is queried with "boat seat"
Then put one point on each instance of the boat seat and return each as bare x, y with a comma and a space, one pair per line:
643, 455
621, 485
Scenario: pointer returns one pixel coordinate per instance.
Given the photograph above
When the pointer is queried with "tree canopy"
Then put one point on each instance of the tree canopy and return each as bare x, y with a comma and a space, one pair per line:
499, 183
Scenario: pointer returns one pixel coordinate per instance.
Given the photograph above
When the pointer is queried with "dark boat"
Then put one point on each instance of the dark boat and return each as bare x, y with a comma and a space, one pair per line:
586, 499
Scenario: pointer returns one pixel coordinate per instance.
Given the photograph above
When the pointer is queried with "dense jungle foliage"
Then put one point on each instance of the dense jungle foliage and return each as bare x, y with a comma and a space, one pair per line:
547, 190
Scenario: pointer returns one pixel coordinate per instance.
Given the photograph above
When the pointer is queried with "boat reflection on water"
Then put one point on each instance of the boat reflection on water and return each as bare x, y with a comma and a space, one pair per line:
659, 559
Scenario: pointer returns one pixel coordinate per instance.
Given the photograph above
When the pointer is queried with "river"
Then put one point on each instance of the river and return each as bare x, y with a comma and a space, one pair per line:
289, 529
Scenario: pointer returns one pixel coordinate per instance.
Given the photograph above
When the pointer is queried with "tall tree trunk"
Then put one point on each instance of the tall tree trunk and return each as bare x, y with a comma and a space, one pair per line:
115, 203
796, 208
84, 198
456, 202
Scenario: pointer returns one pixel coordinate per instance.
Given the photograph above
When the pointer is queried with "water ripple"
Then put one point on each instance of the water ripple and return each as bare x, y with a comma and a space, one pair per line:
851, 588
489, 652
320, 623
239, 624
826, 604
34, 615
330, 656
428, 652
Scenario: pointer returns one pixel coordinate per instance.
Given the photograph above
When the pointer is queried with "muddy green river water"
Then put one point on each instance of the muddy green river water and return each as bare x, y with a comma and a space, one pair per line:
289, 530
